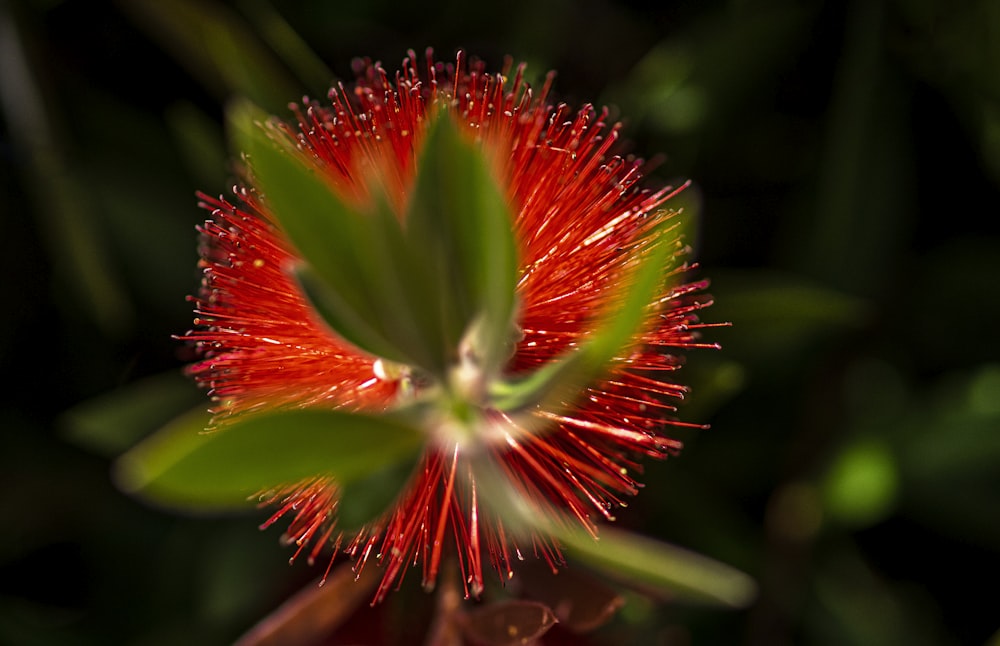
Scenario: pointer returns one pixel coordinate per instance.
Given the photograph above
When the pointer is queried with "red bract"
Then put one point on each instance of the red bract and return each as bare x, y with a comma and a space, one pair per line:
581, 219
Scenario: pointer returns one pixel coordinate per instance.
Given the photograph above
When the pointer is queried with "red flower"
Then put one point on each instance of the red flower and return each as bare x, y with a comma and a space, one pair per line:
580, 219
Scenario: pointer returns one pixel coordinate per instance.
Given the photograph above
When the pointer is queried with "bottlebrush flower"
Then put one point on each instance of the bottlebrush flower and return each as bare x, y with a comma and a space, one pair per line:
581, 220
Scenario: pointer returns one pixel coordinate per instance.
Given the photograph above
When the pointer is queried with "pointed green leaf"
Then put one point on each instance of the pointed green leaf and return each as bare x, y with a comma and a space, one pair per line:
648, 563
559, 383
619, 326
329, 235
413, 312
636, 560
221, 469
458, 217
406, 292
357, 257
373, 286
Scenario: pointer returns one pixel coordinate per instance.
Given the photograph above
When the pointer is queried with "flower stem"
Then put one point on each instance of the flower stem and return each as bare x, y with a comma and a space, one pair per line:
446, 627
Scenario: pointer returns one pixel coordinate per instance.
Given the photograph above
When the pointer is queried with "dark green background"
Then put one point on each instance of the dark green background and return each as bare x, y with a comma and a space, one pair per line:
847, 161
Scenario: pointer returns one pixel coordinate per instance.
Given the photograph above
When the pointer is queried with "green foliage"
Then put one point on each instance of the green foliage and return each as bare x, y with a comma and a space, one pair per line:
652, 565
365, 498
407, 289
354, 255
640, 562
559, 383
110, 424
458, 225
185, 467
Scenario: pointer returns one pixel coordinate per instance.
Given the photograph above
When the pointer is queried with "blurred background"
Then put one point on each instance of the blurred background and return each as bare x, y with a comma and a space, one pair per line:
847, 163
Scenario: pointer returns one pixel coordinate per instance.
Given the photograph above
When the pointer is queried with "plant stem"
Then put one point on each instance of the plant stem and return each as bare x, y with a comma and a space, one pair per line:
446, 627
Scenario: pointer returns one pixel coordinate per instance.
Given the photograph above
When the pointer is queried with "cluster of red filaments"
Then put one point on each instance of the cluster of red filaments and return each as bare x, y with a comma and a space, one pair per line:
581, 219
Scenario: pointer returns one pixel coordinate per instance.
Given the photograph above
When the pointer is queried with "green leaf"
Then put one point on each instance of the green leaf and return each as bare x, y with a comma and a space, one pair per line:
779, 316
639, 561
344, 319
366, 498
458, 217
403, 292
221, 469
559, 383
112, 422
624, 321
364, 272
649, 563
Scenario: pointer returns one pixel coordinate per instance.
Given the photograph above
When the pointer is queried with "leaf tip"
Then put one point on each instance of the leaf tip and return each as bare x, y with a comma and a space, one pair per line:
129, 473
